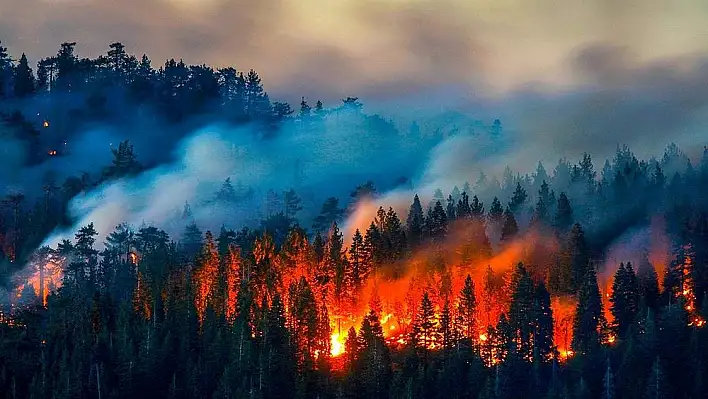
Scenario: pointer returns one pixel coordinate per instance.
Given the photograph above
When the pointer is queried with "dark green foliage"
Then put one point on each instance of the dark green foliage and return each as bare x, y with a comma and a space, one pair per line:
624, 298
588, 314
510, 229
415, 222
329, 214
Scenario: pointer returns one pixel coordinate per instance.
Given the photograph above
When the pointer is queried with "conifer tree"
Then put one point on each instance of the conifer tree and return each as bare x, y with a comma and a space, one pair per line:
463, 210
624, 298
424, 332
436, 223
451, 211
543, 335
564, 213
648, 283
518, 199
578, 253
24, 79
446, 330
415, 222
510, 229
588, 314
466, 310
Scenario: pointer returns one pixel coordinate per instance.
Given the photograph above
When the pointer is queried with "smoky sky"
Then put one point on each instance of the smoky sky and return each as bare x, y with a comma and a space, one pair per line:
370, 48
565, 77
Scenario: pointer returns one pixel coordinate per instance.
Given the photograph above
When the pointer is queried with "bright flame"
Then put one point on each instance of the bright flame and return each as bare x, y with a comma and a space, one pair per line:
337, 346
45, 124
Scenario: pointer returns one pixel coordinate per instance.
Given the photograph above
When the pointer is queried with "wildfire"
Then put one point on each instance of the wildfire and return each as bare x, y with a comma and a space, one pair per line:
52, 152
337, 345
45, 124
42, 280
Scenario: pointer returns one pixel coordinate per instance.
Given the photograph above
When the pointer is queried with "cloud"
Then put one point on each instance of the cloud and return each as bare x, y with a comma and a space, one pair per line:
369, 48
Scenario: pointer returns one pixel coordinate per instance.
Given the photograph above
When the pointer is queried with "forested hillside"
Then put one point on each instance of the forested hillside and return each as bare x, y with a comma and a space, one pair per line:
576, 283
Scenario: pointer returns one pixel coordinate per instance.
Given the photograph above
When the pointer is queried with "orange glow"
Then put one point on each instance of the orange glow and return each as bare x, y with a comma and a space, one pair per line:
44, 278
563, 317
45, 124
337, 345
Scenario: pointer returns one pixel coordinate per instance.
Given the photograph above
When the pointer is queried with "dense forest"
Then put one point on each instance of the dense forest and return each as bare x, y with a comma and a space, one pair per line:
582, 282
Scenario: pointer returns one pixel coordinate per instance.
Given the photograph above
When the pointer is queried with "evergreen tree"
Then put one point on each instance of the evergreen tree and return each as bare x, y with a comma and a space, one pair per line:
648, 283
564, 213
496, 213
436, 222
463, 210
510, 229
466, 310
329, 213
578, 254
424, 332
451, 215
415, 222
292, 204
543, 335
588, 314
624, 298
446, 330
124, 162
521, 311
23, 79
518, 199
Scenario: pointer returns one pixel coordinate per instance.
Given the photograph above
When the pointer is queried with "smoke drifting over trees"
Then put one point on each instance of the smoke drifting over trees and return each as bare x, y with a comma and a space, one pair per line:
175, 231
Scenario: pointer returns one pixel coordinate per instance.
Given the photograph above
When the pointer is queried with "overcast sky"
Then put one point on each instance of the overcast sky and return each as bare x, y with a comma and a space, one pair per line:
571, 75
331, 48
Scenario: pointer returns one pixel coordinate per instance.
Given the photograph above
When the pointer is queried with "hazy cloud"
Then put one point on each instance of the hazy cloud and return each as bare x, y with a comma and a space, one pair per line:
331, 49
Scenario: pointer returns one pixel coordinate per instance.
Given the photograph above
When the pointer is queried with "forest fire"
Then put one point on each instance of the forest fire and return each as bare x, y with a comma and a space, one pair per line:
44, 278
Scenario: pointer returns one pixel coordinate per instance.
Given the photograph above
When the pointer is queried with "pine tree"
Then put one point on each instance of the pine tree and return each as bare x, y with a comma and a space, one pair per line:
394, 237
450, 208
463, 210
424, 332
496, 213
648, 283
5, 72
329, 213
510, 229
624, 298
466, 310
543, 336
374, 359
446, 331
579, 256
588, 314
564, 213
23, 79
436, 223
335, 261
415, 223
521, 311
359, 265
518, 199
